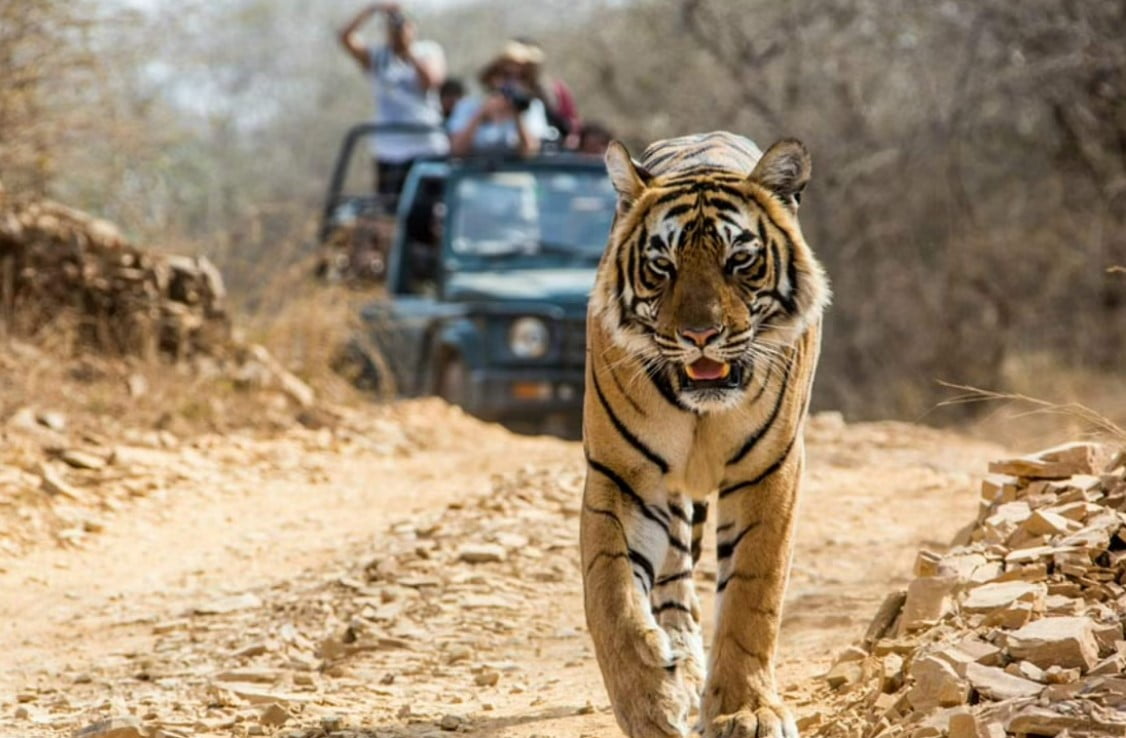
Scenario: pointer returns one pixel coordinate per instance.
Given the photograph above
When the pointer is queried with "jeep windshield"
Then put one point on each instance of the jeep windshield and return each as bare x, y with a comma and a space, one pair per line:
530, 219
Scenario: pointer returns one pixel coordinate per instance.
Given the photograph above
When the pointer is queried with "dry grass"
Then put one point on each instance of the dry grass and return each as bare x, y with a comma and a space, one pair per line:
1078, 420
104, 396
304, 323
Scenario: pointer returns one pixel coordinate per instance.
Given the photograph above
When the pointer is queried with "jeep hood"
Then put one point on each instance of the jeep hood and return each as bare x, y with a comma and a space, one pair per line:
560, 286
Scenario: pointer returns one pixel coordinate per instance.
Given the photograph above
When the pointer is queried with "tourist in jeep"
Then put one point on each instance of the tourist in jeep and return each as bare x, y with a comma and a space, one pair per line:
508, 118
405, 75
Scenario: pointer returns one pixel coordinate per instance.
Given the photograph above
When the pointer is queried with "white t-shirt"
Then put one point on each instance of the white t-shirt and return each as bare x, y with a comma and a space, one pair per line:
400, 98
497, 135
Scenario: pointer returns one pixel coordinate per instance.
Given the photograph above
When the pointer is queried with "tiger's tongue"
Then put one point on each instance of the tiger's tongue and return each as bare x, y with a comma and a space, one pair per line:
704, 369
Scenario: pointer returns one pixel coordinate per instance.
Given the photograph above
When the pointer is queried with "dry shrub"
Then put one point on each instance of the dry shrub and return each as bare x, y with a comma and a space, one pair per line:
305, 324
1034, 422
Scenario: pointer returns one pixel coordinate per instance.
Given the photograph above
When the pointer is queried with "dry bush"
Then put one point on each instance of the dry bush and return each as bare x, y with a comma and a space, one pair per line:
305, 324
41, 49
1040, 419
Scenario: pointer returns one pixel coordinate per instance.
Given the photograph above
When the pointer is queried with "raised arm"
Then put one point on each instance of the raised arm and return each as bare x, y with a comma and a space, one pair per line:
349, 39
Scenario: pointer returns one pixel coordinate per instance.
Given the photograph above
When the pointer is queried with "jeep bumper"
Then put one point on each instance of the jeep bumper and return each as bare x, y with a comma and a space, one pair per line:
525, 394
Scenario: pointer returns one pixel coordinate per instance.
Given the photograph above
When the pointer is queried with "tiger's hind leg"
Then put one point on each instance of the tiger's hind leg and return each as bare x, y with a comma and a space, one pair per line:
753, 545
624, 539
674, 600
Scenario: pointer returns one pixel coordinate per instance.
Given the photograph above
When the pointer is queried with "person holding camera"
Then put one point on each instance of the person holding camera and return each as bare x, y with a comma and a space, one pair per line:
507, 118
405, 75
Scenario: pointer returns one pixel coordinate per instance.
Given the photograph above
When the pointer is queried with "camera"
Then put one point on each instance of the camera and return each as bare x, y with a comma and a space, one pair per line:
520, 99
396, 19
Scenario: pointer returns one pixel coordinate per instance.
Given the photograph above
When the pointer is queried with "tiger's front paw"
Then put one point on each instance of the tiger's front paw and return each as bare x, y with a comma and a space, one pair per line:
775, 721
650, 700
688, 646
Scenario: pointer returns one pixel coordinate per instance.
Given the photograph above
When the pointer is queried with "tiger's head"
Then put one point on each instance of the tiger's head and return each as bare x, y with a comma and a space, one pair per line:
707, 277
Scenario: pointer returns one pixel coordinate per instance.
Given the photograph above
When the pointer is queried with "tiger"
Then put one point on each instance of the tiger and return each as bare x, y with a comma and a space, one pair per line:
704, 330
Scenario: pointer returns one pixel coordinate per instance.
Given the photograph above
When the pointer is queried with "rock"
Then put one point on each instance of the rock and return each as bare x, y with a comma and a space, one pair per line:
845, 673
481, 553
137, 385
83, 459
117, 727
999, 488
1113, 664
487, 678
1079, 458
255, 695
852, 653
1011, 617
998, 685
1107, 634
980, 651
927, 564
928, 600
53, 420
963, 725
262, 676
885, 617
936, 684
1056, 463
233, 603
1056, 641
1046, 523
1040, 721
993, 596
274, 715
451, 722
891, 673
1027, 670
53, 484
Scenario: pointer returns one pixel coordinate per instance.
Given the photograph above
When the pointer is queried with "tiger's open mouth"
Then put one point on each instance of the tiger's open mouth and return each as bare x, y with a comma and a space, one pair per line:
705, 373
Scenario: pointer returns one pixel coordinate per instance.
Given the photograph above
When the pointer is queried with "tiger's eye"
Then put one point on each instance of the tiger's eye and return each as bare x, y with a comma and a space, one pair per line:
740, 259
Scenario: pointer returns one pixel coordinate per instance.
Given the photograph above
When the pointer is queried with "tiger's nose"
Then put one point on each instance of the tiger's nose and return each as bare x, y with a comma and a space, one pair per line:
700, 336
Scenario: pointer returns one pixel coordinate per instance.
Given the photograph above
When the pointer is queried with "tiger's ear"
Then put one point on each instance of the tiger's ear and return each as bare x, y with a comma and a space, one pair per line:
784, 169
628, 177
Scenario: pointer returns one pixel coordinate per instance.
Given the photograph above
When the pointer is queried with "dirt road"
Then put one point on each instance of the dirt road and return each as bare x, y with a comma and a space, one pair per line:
407, 573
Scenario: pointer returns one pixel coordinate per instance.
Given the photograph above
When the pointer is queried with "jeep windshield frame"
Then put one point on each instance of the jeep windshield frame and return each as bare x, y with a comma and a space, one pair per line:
518, 214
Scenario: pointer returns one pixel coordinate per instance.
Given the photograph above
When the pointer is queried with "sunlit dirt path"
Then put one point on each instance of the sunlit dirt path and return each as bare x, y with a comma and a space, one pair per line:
411, 588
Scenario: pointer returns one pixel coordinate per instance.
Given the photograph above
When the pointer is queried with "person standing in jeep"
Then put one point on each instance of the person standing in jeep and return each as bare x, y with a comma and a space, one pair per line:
405, 75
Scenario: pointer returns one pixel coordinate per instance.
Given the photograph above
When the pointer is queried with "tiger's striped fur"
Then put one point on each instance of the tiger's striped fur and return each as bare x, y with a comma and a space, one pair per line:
703, 337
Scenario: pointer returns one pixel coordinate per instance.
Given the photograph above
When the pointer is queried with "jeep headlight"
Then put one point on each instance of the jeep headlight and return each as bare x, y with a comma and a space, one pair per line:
528, 338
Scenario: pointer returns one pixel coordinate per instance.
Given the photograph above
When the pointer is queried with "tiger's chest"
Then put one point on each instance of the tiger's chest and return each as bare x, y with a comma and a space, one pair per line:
713, 447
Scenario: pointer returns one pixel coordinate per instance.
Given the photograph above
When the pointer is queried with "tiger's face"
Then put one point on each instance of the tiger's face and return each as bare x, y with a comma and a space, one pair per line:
713, 279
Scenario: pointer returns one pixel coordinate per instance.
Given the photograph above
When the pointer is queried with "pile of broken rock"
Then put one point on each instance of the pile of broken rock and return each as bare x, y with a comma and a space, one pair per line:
58, 262
1017, 629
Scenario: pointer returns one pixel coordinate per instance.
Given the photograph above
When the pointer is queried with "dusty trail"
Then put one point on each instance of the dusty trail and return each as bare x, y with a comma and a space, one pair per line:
348, 596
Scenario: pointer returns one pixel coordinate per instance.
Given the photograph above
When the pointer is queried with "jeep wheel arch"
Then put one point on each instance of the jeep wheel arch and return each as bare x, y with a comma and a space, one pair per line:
451, 378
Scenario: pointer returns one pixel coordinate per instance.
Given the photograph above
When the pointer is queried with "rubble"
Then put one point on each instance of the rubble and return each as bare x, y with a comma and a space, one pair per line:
122, 298
119, 727
1064, 642
1014, 631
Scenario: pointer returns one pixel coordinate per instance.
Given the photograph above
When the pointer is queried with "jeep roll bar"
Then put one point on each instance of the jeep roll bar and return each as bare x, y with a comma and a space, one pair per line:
344, 158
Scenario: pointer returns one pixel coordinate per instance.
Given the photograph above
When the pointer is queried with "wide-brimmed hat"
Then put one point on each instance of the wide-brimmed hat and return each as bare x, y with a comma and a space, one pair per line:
512, 51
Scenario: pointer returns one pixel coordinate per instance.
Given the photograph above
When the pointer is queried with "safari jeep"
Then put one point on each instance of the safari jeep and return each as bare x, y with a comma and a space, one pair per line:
487, 285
